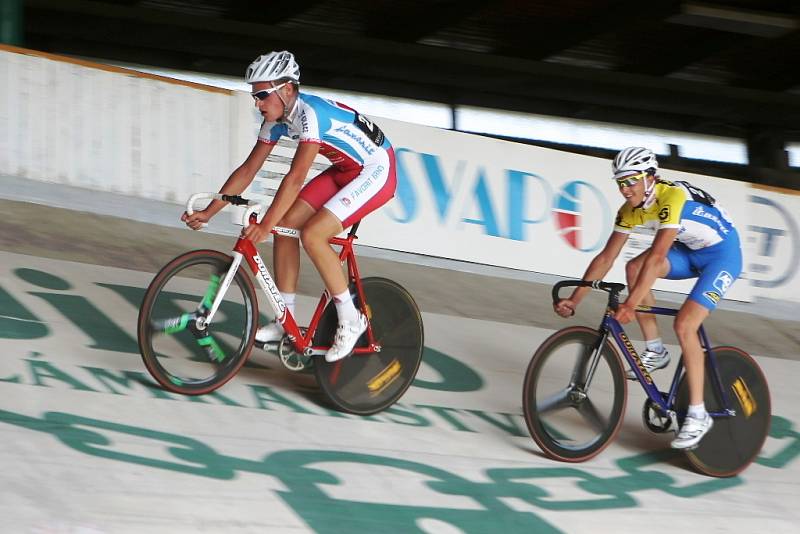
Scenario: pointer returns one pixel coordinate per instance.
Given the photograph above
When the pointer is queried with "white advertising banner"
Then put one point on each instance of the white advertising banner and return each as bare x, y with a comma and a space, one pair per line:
773, 233
499, 203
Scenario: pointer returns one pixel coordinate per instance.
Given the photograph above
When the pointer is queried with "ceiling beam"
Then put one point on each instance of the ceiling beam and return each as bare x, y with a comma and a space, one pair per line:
684, 46
408, 21
433, 73
545, 37
267, 13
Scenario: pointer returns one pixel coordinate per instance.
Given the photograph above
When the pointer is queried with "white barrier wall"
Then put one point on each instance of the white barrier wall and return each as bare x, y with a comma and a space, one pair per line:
459, 196
104, 128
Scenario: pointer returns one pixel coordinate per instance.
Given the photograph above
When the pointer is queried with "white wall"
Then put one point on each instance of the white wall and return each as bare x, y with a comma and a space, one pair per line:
111, 130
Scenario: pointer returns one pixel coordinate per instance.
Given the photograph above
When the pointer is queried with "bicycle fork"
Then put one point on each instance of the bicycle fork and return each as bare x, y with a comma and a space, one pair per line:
595, 359
216, 291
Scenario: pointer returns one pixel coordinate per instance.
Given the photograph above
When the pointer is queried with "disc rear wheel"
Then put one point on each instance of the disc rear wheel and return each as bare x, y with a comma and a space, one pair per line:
734, 441
367, 384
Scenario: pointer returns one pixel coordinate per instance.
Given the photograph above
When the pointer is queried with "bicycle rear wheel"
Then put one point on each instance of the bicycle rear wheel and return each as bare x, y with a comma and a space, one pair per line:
735, 441
569, 419
367, 384
179, 351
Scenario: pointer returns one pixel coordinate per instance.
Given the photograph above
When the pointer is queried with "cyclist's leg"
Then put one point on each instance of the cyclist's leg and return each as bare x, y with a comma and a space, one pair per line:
322, 225
687, 323
316, 234
358, 195
286, 266
369, 190
718, 268
286, 251
647, 321
684, 264
697, 421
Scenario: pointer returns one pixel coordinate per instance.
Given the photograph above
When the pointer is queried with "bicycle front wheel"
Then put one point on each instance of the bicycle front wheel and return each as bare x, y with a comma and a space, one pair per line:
734, 441
180, 351
573, 397
367, 384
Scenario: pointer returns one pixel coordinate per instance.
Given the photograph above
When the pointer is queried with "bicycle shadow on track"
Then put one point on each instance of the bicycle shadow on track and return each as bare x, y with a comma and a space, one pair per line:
667, 457
632, 438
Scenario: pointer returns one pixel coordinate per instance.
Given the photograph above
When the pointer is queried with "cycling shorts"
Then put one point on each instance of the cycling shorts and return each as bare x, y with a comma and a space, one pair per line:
351, 194
715, 267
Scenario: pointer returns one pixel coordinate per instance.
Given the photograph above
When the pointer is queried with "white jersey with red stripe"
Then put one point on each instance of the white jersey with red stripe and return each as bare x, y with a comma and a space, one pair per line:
346, 138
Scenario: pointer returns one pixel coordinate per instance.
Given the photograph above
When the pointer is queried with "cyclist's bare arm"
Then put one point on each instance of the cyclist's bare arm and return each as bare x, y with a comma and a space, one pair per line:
596, 270
291, 183
236, 183
653, 267
287, 193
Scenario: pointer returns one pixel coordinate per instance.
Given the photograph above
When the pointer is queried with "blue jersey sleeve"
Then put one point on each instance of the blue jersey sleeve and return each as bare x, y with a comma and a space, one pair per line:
272, 131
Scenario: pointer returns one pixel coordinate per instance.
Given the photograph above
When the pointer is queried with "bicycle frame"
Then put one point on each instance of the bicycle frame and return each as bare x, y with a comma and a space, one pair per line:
612, 326
244, 249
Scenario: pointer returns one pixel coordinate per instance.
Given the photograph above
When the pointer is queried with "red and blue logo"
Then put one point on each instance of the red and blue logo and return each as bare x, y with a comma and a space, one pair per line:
582, 216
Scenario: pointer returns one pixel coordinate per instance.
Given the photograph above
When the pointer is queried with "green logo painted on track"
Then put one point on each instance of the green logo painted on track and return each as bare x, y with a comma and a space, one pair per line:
17, 322
38, 371
304, 474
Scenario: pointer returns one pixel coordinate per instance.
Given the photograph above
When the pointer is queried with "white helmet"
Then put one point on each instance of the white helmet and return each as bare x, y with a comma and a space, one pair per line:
634, 160
273, 66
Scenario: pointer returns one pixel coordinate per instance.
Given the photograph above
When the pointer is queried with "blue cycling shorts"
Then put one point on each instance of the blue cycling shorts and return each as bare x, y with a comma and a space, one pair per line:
716, 268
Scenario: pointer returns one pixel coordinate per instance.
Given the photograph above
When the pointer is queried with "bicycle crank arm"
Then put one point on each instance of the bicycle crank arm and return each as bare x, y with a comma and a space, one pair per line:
174, 325
211, 347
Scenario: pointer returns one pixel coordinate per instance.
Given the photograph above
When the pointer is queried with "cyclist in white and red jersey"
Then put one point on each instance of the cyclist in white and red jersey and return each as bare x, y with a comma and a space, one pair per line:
695, 238
361, 178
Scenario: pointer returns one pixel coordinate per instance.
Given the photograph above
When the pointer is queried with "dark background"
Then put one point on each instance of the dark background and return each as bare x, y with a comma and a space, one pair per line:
725, 68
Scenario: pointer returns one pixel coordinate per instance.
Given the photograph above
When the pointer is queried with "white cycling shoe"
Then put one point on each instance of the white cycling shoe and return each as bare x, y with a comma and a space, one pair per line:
652, 361
347, 334
692, 432
270, 333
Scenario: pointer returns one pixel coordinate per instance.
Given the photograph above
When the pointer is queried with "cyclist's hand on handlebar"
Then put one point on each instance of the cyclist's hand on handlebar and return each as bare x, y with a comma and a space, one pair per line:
625, 313
196, 220
256, 232
565, 307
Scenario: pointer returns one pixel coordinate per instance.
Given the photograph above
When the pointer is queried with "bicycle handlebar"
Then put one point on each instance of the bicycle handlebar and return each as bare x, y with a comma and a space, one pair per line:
612, 288
253, 207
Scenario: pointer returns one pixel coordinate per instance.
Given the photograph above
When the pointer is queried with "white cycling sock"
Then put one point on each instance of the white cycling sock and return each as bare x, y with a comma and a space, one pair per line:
697, 411
289, 298
345, 307
655, 345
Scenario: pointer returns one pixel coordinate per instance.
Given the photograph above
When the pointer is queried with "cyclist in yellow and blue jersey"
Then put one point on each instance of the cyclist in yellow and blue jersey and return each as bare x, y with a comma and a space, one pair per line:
695, 238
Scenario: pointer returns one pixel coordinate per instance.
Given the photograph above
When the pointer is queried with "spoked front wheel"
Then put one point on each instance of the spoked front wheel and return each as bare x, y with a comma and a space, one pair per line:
182, 352
734, 441
367, 384
573, 398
